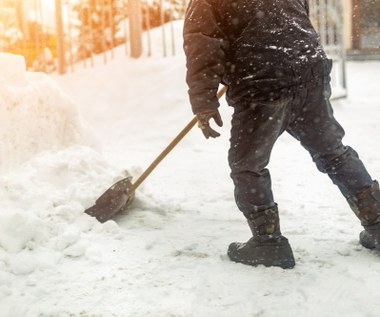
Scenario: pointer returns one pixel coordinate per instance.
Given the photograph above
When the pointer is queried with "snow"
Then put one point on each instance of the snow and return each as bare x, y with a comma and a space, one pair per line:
35, 114
65, 139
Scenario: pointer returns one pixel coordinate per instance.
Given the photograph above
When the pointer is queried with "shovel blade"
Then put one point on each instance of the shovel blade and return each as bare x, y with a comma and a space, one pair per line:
114, 200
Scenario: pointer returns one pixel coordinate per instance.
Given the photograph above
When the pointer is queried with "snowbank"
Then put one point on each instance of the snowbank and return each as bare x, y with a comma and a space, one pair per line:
35, 115
42, 200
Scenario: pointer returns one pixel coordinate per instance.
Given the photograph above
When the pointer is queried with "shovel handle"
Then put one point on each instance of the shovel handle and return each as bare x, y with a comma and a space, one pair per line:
167, 150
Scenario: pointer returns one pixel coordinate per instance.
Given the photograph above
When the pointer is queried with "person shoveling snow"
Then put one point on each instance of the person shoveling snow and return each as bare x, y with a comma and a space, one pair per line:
278, 77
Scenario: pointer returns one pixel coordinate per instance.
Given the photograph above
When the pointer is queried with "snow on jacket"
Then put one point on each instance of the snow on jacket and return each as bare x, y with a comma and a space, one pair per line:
255, 47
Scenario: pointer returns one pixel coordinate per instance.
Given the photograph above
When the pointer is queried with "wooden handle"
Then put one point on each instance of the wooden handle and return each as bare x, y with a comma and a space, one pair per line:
167, 150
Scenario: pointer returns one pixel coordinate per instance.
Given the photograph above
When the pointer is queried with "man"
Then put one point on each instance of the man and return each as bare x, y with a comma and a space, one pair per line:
270, 58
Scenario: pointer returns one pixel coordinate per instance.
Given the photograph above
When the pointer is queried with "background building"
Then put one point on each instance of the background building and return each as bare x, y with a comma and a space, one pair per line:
362, 28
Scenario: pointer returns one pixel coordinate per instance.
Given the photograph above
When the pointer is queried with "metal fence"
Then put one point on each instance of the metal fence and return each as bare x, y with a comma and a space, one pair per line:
327, 18
56, 35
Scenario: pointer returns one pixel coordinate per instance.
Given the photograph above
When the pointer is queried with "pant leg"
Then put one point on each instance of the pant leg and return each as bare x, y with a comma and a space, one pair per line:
314, 125
255, 128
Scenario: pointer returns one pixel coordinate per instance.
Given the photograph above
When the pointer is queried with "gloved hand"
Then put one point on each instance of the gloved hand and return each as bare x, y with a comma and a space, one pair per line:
203, 119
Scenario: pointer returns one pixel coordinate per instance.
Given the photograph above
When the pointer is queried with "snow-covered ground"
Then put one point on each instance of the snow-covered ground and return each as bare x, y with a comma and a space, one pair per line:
64, 141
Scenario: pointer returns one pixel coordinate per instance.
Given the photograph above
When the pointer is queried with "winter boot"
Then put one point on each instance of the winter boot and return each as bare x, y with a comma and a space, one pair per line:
366, 206
267, 246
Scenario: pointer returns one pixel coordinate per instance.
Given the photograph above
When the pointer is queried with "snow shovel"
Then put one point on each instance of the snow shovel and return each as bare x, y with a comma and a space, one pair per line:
119, 196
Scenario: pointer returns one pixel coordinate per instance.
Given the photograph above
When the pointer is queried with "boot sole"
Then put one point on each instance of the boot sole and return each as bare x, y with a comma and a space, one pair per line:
267, 255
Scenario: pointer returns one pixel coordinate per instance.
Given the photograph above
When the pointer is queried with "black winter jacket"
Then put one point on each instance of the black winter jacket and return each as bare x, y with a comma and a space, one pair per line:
256, 47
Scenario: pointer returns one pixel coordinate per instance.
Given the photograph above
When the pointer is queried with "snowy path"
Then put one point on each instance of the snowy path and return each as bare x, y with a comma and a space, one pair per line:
177, 236
167, 256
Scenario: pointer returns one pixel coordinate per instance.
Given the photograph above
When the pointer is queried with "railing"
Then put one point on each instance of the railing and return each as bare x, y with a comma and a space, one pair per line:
327, 17
57, 34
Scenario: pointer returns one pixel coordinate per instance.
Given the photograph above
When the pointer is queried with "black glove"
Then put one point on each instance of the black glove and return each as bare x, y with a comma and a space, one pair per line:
203, 119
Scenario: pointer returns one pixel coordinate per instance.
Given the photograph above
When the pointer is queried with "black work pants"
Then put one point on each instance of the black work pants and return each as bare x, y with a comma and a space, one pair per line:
308, 116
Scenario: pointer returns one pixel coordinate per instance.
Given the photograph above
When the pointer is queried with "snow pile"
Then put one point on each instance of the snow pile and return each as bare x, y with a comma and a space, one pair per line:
41, 208
42, 201
35, 115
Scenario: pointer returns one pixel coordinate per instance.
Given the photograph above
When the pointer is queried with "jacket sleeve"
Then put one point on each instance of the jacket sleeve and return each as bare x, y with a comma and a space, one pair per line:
204, 46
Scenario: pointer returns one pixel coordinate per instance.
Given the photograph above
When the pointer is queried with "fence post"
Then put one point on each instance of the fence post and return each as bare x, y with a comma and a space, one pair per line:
162, 19
135, 28
60, 37
356, 14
